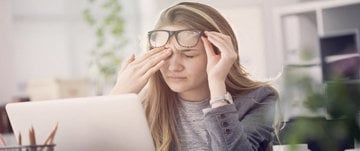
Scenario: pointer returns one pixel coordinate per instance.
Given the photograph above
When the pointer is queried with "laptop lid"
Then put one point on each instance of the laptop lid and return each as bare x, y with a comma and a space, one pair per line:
110, 123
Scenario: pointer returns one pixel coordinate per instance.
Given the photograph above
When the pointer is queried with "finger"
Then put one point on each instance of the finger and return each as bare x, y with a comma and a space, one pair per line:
209, 49
154, 69
149, 54
128, 61
146, 65
225, 45
221, 43
217, 37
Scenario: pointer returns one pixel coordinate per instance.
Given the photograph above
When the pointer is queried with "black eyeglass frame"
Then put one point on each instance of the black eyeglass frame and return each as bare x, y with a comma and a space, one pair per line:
176, 32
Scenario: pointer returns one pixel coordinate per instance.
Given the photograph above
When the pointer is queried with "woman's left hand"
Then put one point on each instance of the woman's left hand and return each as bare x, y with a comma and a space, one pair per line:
218, 65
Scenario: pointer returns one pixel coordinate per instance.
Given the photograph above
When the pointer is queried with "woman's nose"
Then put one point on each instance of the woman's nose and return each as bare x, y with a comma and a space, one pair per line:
175, 62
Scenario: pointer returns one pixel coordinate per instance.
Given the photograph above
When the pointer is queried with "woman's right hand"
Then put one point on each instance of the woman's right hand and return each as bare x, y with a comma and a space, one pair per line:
136, 72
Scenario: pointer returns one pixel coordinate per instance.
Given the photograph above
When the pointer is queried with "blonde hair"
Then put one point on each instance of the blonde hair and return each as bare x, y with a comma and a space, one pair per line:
160, 101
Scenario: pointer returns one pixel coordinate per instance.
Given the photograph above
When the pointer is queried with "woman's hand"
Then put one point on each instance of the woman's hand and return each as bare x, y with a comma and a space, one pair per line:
219, 65
136, 72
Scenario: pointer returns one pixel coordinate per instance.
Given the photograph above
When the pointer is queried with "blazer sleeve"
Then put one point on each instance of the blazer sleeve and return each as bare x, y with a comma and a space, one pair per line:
245, 125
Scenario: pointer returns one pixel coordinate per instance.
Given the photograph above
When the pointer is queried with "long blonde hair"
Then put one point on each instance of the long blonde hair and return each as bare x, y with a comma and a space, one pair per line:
159, 100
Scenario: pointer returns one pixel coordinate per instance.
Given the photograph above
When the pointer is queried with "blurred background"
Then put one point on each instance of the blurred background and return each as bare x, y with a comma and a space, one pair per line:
53, 49
53, 40
73, 48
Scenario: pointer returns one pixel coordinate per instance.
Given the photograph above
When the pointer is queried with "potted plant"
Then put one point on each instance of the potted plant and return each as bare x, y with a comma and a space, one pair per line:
104, 17
333, 132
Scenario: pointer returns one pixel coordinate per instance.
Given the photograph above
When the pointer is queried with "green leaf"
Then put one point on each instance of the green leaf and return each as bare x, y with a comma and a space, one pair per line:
107, 4
315, 101
88, 17
105, 58
100, 32
100, 42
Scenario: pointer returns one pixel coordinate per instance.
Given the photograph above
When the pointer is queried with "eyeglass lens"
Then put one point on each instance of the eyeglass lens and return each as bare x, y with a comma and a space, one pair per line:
185, 38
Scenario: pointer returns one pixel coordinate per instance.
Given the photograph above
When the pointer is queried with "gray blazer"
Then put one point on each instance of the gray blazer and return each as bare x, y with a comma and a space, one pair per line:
245, 125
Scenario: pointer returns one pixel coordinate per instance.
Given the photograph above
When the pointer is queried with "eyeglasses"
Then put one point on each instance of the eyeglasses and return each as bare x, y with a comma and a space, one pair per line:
186, 38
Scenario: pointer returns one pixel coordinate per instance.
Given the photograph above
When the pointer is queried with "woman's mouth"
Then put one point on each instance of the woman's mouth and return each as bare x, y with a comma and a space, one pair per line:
176, 78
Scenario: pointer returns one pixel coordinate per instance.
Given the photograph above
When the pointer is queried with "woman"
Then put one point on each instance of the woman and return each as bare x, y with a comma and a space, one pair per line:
197, 95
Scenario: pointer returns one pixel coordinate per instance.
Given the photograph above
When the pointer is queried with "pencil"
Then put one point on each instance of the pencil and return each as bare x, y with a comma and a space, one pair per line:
2, 141
53, 134
32, 139
50, 138
19, 141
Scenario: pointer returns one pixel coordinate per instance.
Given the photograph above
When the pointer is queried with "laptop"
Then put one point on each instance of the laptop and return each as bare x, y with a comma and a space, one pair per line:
111, 123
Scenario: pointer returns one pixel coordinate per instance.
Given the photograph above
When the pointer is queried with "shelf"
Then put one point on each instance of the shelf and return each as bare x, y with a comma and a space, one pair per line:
334, 58
300, 30
314, 6
335, 19
303, 65
301, 26
299, 63
354, 81
300, 38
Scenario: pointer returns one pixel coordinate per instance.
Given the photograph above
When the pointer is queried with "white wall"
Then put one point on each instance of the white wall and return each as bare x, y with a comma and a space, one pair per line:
49, 39
7, 70
247, 24
49, 35
273, 56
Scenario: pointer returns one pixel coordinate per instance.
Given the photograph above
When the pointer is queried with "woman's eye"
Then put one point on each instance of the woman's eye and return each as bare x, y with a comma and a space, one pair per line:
189, 56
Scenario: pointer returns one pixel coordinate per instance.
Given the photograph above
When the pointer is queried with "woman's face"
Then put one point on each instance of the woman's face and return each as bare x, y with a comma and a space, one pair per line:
185, 70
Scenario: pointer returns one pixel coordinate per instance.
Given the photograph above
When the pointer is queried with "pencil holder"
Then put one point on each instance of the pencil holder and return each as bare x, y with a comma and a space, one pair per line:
50, 147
